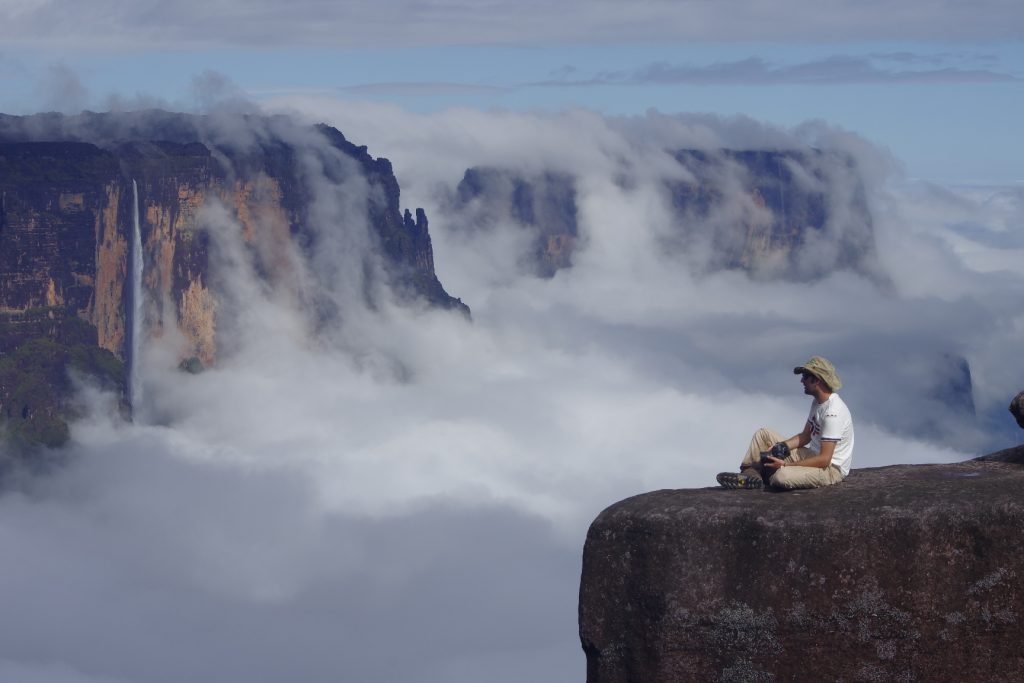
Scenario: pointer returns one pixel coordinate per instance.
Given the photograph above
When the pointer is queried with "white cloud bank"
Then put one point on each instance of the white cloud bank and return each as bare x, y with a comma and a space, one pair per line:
407, 500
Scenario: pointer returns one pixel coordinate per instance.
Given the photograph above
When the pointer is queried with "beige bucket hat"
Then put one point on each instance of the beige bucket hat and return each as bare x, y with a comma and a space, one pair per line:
823, 370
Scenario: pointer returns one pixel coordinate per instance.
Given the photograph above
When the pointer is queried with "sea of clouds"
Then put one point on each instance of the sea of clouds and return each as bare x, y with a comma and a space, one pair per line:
405, 496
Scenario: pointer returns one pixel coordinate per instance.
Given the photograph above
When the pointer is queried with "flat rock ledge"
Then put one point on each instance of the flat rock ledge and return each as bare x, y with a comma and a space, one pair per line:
902, 573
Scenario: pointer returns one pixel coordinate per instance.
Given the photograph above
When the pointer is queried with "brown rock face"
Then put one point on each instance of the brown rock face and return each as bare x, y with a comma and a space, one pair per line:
904, 573
60, 243
107, 309
66, 227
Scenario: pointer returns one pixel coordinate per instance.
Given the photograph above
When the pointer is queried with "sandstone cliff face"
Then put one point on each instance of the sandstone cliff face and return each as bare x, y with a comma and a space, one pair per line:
62, 243
299, 208
905, 573
67, 205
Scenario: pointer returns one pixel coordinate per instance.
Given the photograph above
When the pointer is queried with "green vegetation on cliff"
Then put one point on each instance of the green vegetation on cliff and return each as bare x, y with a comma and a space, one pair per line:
37, 385
54, 322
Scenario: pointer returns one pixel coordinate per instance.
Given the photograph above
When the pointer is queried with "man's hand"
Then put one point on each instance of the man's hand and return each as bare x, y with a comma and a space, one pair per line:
772, 463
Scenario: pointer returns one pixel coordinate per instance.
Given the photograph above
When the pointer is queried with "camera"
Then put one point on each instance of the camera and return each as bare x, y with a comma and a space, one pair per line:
779, 450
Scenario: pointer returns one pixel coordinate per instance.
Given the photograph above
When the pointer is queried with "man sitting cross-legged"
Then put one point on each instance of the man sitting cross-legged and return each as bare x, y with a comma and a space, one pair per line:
820, 455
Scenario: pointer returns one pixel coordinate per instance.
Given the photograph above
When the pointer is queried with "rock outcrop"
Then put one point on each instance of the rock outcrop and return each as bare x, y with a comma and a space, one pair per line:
902, 573
1017, 409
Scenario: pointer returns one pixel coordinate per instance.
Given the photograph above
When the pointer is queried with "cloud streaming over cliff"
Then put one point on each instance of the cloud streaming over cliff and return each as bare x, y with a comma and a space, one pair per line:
405, 497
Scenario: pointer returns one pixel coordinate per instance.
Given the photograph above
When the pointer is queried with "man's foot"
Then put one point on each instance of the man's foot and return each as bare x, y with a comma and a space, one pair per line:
732, 480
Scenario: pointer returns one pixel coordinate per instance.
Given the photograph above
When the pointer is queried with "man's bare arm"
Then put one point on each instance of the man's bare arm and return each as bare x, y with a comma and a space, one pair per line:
801, 439
821, 460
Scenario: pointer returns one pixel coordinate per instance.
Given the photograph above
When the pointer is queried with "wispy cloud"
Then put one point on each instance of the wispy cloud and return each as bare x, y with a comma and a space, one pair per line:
836, 70
978, 59
106, 24
421, 89
63, 90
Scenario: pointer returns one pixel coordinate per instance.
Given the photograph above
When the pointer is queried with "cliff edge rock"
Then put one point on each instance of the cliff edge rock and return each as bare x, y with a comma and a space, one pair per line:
901, 573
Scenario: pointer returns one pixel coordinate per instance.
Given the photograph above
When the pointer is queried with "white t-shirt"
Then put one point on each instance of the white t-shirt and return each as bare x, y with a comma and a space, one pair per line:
831, 421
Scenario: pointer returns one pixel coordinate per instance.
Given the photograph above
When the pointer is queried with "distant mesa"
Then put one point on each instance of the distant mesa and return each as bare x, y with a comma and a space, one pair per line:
544, 205
776, 214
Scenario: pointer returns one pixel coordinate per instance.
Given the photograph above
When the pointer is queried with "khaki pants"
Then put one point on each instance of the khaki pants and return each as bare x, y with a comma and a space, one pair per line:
789, 477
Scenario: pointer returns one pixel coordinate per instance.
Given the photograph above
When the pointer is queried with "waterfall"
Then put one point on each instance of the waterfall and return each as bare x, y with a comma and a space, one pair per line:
135, 316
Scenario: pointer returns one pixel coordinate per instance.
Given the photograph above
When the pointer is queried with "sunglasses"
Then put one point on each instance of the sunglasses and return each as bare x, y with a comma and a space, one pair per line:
807, 375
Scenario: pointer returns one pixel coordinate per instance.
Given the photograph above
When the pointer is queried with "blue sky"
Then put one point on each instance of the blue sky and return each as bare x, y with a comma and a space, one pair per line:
939, 84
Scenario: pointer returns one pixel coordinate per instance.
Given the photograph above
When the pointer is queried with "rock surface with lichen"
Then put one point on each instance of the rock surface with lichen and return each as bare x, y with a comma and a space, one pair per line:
901, 573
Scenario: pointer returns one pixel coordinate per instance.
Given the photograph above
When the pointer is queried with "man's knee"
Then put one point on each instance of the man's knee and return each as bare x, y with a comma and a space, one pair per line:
783, 479
765, 437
